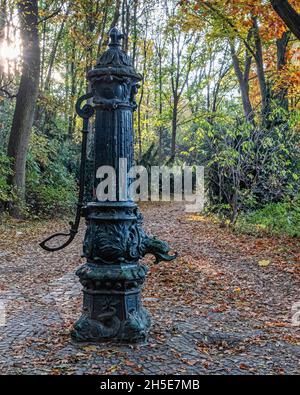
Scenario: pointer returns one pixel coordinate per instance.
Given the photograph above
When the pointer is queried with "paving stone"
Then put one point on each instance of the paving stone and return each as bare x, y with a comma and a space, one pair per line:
218, 343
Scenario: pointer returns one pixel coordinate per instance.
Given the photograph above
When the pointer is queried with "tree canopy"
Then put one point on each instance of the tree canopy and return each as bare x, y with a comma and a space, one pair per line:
221, 87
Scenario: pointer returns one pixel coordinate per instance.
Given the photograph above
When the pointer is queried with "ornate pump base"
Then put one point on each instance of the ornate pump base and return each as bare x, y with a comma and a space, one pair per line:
111, 305
112, 277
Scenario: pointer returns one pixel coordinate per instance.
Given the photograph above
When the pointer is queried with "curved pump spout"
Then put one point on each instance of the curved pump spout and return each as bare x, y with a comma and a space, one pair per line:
85, 112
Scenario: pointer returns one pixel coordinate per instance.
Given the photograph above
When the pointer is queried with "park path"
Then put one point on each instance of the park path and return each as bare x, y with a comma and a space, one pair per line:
223, 307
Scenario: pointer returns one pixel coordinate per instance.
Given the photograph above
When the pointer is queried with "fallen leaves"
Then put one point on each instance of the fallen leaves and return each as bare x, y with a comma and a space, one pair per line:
217, 284
263, 262
90, 348
277, 324
243, 366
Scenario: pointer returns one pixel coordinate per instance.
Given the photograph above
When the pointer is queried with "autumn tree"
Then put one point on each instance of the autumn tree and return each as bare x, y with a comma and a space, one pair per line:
183, 44
263, 41
288, 14
27, 95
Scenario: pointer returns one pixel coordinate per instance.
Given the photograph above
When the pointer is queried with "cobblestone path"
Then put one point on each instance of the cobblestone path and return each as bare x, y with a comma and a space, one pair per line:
215, 310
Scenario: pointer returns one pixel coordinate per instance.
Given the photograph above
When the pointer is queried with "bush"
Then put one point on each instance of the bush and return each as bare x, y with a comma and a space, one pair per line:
248, 167
6, 191
51, 201
51, 186
274, 219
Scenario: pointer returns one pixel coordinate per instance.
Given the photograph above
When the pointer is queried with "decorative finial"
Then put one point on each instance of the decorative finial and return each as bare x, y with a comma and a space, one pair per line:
115, 37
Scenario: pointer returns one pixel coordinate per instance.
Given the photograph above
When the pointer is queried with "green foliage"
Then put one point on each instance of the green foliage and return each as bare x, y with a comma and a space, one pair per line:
248, 167
50, 178
51, 186
6, 113
189, 80
7, 194
50, 200
149, 157
273, 218
6, 191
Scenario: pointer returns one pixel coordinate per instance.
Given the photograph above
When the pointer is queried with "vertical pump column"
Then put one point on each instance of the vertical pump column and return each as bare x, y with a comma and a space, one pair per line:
114, 241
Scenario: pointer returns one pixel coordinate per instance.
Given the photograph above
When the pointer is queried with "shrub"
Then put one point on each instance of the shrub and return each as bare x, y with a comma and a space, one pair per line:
248, 167
51, 187
51, 201
6, 191
274, 219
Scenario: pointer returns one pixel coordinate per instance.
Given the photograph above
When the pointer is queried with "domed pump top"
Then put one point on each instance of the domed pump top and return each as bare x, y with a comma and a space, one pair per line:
115, 37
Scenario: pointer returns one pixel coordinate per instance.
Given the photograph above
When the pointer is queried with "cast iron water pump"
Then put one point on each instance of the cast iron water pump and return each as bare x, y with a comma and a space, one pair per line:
114, 241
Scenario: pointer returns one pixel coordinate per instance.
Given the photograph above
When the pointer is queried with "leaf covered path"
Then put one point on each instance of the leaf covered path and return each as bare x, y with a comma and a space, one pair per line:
223, 307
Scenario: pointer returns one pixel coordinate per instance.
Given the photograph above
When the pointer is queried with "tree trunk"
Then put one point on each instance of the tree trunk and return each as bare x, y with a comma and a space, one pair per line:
139, 125
3, 11
160, 106
141, 98
72, 75
264, 90
288, 14
125, 23
114, 22
40, 112
53, 53
27, 96
174, 128
134, 33
243, 80
281, 44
